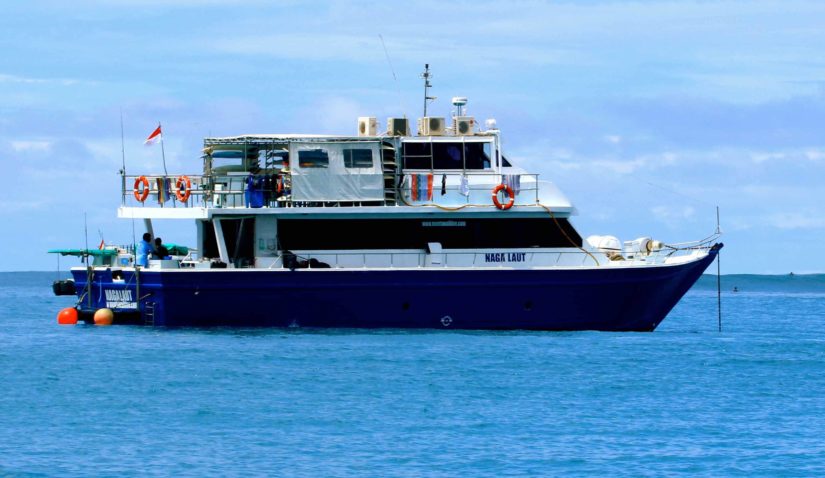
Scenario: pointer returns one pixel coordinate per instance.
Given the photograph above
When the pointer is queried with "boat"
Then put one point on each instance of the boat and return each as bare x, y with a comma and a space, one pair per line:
380, 229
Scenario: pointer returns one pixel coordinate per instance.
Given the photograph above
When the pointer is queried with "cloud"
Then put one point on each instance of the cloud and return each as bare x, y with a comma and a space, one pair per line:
6, 78
673, 216
31, 146
797, 220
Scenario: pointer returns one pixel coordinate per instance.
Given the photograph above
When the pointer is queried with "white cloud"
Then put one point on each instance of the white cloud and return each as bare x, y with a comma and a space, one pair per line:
31, 146
613, 138
673, 216
5, 78
798, 220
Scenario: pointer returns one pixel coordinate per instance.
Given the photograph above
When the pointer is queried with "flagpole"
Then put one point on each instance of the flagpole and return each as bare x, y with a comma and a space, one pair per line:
122, 145
163, 152
123, 162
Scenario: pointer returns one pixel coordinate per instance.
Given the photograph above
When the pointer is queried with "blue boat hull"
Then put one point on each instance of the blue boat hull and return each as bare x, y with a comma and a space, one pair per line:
616, 299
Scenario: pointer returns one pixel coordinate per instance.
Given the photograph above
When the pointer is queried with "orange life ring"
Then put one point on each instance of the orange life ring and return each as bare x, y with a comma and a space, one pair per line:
509, 192
180, 192
141, 195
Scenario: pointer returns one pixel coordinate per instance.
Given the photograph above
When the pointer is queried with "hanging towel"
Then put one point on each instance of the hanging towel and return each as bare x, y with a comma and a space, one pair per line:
430, 187
464, 187
512, 180
163, 189
443, 184
414, 187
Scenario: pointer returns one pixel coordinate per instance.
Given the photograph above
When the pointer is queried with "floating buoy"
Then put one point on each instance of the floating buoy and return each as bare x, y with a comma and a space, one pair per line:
67, 316
104, 317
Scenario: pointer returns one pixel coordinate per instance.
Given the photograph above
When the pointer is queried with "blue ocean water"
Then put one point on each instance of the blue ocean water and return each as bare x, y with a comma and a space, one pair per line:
684, 400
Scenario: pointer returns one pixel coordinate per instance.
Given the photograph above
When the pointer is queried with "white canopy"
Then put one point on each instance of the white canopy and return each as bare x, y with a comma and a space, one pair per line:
336, 171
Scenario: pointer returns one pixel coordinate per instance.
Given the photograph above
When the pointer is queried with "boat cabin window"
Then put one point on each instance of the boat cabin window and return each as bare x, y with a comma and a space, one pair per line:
358, 158
313, 158
466, 233
418, 156
477, 156
443, 155
447, 156
234, 160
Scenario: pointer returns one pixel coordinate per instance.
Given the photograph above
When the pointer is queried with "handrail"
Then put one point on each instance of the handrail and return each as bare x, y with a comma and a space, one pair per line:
230, 190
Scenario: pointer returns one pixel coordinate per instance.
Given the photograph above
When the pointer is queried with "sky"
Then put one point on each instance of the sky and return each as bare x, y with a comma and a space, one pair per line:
647, 114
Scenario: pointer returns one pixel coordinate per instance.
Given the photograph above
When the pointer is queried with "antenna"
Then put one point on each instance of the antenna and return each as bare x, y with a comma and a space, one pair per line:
426, 77
392, 70
718, 274
122, 146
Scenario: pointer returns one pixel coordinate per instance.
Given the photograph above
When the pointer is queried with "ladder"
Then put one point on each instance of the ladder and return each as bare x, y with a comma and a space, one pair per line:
149, 314
390, 167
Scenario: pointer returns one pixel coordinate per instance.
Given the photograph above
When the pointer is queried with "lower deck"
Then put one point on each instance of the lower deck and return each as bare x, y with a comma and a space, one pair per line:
573, 298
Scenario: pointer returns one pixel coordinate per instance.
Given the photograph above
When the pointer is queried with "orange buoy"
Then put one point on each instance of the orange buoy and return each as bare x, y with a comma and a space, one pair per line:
183, 187
510, 193
67, 316
141, 194
104, 317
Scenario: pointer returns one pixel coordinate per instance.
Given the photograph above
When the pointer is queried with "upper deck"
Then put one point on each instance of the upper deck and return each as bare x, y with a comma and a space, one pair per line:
367, 175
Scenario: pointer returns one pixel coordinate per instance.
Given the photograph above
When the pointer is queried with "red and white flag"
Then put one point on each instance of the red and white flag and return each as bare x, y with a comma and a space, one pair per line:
102, 245
154, 137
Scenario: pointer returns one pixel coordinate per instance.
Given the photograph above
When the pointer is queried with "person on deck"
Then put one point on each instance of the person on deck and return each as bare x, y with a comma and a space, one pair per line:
160, 250
144, 249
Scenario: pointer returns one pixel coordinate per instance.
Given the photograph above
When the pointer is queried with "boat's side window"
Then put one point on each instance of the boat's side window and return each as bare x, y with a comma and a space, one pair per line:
358, 158
313, 158
477, 155
418, 155
447, 156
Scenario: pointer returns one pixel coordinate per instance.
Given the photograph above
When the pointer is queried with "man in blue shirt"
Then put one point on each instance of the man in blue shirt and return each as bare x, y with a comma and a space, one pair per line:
144, 249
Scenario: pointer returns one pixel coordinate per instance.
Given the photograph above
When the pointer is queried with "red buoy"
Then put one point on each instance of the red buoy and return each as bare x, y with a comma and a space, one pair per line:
104, 317
67, 316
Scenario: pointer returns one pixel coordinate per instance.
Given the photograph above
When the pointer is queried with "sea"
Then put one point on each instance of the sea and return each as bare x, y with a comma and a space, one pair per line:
685, 400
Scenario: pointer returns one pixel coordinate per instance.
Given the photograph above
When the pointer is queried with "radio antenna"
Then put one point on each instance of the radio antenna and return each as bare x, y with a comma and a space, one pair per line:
718, 274
122, 146
392, 70
427, 85
123, 161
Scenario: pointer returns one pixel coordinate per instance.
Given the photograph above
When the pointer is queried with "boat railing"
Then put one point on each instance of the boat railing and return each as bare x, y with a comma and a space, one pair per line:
459, 189
670, 251
421, 259
232, 190
473, 259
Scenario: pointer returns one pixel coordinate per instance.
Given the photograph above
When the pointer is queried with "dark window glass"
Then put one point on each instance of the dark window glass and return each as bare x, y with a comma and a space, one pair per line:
358, 158
329, 234
313, 158
417, 156
447, 156
476, 156
504, 162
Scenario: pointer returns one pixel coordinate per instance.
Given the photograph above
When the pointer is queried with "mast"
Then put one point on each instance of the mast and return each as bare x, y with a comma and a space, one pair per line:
426, 77
163, 152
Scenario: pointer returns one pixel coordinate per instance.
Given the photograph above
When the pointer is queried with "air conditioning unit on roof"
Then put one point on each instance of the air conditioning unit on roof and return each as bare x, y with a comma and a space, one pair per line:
398, 127
367, 126
464, 125
431, 126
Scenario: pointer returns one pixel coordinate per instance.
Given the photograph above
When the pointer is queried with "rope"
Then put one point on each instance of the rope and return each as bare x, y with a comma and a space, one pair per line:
573, 243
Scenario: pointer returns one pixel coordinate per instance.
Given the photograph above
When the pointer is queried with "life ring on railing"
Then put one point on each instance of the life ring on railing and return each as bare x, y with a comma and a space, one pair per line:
509, 192
183, 188
141, 195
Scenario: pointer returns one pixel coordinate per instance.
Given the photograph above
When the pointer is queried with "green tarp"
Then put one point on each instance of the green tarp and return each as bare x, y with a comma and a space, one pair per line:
84, 252
174, 250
